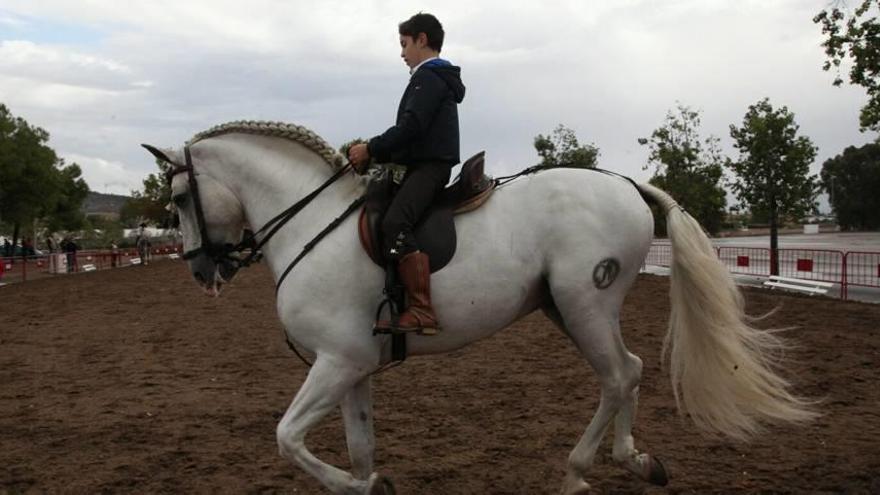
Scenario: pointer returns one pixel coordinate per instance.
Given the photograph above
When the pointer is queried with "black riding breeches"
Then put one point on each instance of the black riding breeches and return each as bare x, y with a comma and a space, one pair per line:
419, 188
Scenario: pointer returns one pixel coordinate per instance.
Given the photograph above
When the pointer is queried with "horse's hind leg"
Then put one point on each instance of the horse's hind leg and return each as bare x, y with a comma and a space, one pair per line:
594, 328
647, 467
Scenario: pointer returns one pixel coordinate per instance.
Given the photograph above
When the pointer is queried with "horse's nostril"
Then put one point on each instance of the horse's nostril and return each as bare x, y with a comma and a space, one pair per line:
198, 276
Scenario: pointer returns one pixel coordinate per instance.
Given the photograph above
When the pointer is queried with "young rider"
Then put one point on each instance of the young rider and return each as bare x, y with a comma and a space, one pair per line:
425, 140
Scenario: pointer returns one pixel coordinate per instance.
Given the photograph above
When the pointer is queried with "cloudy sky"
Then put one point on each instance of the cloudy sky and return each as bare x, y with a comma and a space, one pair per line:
103, 76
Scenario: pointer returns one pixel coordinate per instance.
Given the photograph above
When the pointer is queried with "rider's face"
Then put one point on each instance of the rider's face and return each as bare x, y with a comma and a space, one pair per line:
413, 50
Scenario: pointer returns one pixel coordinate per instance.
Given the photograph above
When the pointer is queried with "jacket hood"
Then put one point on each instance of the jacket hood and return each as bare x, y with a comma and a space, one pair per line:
450, 74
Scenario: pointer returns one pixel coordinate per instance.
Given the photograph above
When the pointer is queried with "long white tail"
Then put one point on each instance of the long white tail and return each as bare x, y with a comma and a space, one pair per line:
724, 371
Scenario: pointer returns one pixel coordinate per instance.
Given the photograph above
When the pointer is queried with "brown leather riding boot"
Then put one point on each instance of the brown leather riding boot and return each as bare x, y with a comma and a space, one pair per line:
415, 274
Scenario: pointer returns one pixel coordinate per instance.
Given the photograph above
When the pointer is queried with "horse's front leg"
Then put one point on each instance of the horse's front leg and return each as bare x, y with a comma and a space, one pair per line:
328, 382
357, 412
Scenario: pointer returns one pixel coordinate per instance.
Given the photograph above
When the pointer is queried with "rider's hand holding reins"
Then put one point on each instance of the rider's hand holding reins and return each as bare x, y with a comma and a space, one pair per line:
359, 156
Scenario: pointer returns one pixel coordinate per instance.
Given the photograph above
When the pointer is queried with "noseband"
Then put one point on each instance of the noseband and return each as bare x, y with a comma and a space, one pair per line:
221, 253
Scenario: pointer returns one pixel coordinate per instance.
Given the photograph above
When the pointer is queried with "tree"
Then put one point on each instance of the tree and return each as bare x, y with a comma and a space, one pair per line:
688, 168
852, 180
29, 182
101, 232
151, 204
772, 173
856, 39
561, 149
65, 211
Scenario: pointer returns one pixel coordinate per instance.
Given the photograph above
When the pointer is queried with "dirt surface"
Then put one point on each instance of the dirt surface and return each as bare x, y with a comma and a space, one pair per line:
131, 380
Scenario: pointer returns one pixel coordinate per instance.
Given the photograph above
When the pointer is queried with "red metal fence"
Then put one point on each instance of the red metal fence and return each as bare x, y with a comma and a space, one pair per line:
745, 260
659, 254
22, 269
861, 269
813, 264
842, 268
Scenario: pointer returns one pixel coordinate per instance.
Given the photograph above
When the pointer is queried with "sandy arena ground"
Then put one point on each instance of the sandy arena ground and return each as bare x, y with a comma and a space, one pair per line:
131, 380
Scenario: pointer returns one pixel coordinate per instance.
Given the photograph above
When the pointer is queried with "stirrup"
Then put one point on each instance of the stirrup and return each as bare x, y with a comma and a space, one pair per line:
386, 327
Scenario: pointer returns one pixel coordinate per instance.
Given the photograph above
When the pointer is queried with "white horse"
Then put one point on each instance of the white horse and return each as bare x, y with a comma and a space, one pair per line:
143, 249
567, 241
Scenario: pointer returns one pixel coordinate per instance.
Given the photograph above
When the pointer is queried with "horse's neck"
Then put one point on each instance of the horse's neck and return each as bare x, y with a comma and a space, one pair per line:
270, 175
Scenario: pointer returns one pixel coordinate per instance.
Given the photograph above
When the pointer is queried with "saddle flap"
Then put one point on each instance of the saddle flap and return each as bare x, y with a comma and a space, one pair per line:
435, 232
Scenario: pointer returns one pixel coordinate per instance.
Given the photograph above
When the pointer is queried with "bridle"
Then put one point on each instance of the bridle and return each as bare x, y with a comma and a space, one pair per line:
223, 253
217, 252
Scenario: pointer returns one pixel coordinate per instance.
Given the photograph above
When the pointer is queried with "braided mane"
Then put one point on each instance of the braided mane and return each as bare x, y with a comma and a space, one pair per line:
292, 132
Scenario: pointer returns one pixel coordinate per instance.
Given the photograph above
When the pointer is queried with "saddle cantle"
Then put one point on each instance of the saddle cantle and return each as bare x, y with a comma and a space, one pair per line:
435, 233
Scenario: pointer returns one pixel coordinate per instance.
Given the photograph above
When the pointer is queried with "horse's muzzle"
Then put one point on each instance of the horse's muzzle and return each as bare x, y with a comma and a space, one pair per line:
212, 276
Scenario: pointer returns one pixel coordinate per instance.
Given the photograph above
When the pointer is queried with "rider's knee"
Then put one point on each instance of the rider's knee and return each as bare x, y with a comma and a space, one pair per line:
398, 243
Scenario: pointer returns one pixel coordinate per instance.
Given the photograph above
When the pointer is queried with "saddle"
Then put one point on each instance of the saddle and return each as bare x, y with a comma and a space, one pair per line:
435, 232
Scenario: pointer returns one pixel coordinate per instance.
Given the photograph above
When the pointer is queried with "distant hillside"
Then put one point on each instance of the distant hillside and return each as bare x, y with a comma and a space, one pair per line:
108, 205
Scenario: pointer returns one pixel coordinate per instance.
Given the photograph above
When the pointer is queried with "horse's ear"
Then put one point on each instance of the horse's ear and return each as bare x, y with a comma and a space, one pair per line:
159, 154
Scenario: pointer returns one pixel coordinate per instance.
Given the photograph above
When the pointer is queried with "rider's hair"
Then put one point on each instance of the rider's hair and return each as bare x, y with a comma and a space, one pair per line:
423, 23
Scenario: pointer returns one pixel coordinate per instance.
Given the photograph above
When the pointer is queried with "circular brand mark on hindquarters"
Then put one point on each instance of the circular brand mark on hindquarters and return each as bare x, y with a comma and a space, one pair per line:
606, 273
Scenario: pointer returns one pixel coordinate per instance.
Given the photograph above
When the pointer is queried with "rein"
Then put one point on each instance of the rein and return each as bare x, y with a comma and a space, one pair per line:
222, 252
500, 181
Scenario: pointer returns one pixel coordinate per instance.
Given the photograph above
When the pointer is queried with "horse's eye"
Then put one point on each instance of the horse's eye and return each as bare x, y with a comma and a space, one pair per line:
179, 200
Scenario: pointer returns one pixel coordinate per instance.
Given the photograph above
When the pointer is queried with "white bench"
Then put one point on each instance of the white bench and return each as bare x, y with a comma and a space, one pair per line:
809, 286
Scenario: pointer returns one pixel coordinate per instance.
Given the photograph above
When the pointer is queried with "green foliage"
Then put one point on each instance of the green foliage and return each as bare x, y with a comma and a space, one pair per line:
856, 39
34, 183
66, 212
852, 180
561, 149
99, 233
772, 173
27, 169
149, 206
688, 168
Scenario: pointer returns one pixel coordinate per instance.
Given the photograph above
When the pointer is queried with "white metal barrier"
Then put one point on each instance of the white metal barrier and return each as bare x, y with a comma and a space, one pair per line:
809, 286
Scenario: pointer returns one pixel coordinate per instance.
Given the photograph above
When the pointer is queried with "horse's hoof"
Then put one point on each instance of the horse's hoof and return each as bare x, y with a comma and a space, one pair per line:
574, 485
379, 485
657, 473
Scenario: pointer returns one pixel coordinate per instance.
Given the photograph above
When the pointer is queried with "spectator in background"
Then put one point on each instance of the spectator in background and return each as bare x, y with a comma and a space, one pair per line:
27, 248
7, 248
70, 249
114, 254
62, 247
50, 245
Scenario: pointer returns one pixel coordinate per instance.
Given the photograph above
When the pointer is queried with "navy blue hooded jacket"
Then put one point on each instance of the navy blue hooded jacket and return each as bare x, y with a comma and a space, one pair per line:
427, 119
